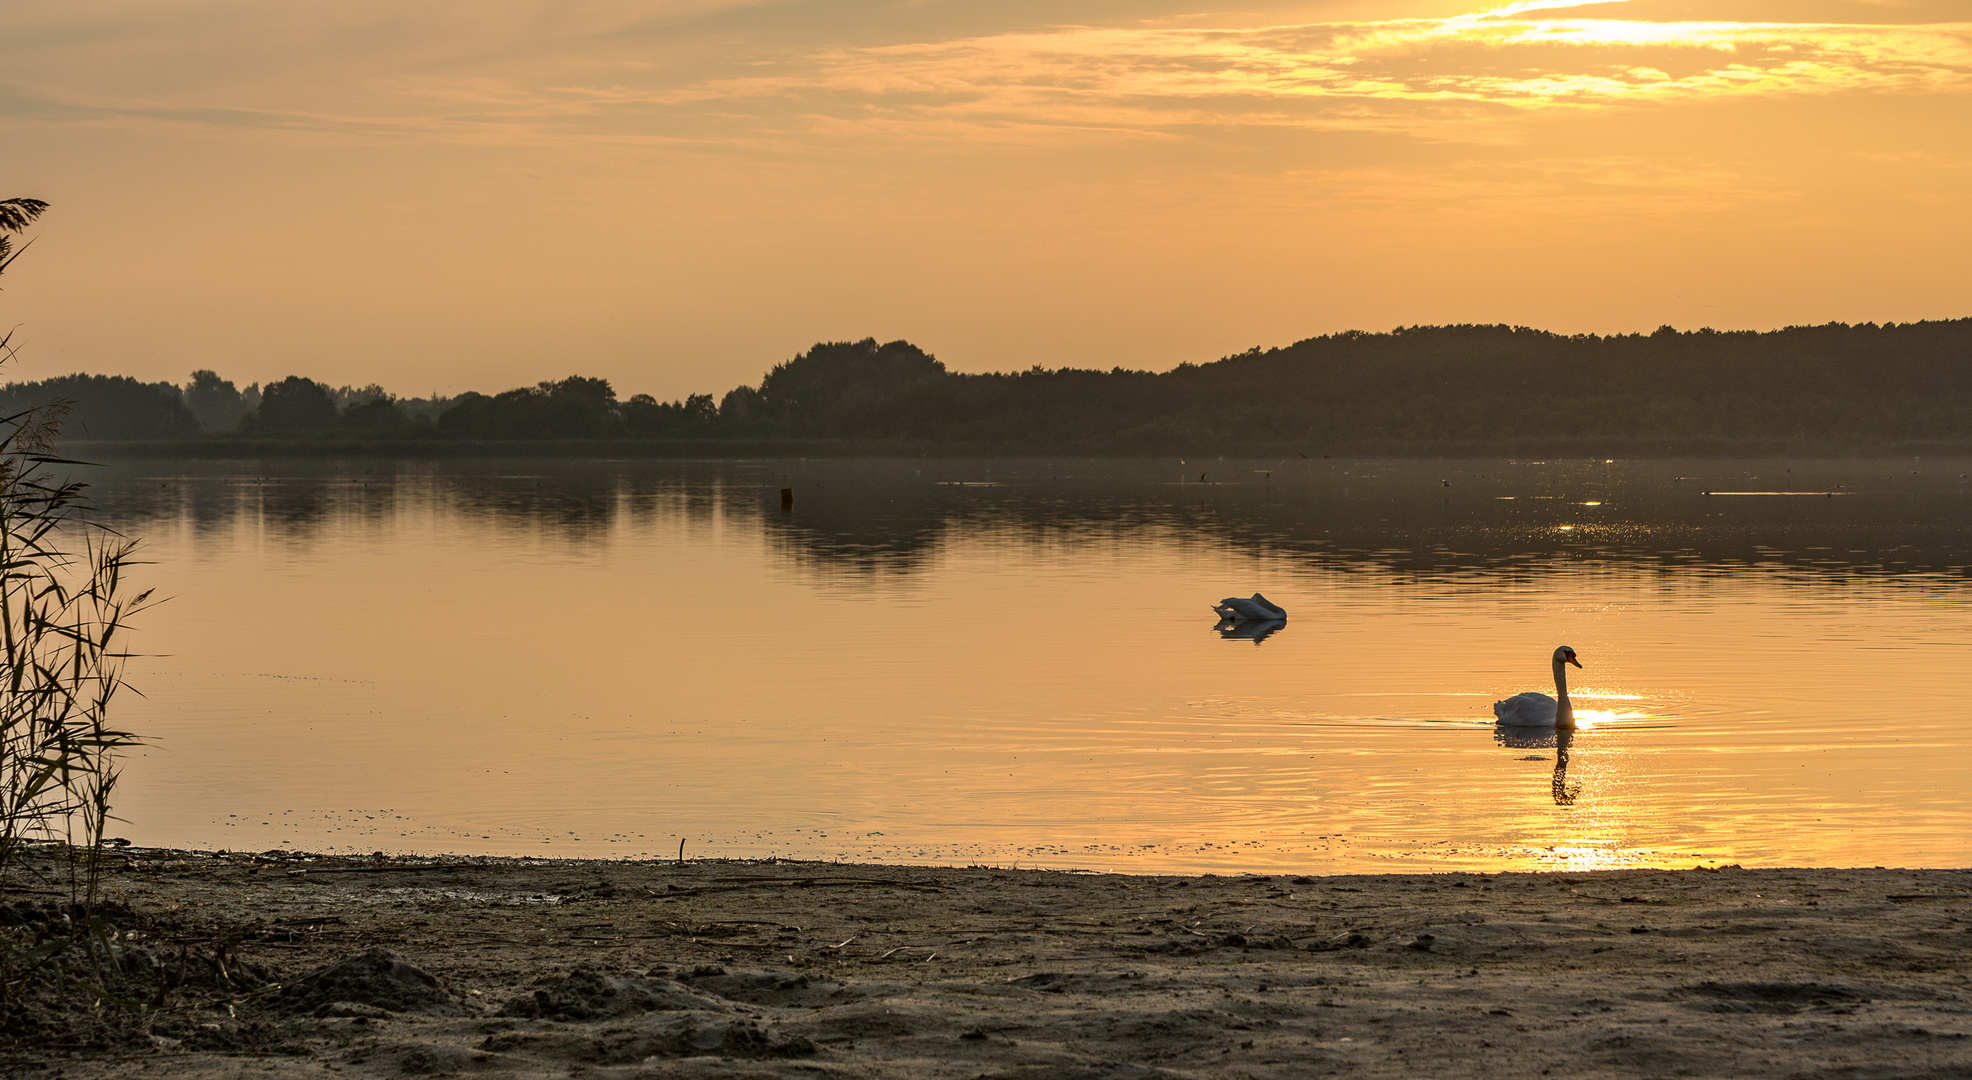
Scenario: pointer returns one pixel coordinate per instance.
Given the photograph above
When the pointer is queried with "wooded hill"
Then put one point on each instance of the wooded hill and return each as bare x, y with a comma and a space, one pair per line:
1832, 384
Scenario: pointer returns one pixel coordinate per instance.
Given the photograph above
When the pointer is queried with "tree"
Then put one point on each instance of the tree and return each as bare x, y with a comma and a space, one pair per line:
596, 393
107, 406
376, 416
293, 406
216, 402
741, 405
838, 384
573, 408
694, 417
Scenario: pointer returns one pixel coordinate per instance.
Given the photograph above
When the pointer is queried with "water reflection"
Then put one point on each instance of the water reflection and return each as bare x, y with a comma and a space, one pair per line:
1253, 630
884, 519
1563, 794
1560, 739
1524, 738
493, 656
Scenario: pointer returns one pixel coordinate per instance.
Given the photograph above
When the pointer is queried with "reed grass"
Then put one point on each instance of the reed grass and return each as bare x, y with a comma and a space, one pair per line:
65, 611
65, 607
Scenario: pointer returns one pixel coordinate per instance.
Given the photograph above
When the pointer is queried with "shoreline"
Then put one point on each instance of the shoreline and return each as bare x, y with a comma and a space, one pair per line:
290, 964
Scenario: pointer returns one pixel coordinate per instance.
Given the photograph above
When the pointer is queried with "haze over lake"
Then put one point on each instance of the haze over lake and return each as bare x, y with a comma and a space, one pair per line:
1014, 661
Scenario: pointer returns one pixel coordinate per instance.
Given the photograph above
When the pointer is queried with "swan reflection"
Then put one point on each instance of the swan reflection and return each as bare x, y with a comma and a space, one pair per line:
1254, 630
1518, 738
1563, 794
1561, 740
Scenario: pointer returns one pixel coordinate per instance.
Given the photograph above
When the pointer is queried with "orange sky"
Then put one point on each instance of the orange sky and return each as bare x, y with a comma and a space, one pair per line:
478, 194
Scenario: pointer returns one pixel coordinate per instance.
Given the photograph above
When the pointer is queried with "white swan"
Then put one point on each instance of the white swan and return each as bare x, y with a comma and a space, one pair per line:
1239, 610
1535, 709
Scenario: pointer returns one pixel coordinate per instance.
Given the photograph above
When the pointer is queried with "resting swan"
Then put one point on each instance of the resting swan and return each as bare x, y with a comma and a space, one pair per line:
1259, 609
1535, 709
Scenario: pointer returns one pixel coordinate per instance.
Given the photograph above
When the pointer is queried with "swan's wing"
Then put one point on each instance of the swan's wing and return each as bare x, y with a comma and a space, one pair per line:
1530, 708
1242, 608
1256, 608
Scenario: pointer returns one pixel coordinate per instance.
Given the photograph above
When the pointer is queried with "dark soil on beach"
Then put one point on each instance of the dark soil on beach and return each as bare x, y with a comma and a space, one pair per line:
229, 965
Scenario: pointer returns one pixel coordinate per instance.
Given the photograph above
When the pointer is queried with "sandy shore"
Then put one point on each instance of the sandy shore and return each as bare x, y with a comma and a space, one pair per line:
275, 966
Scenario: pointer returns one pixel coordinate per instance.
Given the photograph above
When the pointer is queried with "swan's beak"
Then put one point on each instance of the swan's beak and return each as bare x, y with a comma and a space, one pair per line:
1572, 660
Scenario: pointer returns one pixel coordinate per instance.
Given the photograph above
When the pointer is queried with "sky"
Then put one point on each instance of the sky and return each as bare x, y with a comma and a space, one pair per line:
444, 195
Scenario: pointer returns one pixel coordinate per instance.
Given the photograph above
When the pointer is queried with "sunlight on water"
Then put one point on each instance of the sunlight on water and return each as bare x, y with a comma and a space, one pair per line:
1014, 662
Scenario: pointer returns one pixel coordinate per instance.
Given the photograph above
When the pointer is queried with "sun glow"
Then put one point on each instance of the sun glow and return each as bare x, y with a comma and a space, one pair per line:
1717, 36
1590, 718
1510, 10
1158, 76
1580, 859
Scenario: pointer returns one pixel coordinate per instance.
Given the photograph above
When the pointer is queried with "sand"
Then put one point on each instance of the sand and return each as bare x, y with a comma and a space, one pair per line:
276, 966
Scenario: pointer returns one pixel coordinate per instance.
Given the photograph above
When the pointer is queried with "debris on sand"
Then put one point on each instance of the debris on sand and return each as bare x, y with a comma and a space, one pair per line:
584, 995
375, 980
512, 969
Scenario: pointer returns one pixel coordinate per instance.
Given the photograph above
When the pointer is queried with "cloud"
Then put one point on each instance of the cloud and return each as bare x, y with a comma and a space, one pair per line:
607, 73
1382, 74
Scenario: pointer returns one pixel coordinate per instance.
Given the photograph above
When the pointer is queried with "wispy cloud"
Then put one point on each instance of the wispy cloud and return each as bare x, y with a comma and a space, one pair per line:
1351, 75
1433, 77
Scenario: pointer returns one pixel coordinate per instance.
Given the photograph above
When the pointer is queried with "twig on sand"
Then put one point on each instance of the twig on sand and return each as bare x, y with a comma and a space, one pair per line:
771, 883
1615, 899
375, 869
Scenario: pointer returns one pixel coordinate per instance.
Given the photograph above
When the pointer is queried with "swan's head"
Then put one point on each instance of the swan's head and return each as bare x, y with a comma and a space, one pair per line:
1566, 655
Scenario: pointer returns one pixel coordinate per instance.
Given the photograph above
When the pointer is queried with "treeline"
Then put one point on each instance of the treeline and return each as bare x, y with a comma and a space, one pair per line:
1428, 384
119, 407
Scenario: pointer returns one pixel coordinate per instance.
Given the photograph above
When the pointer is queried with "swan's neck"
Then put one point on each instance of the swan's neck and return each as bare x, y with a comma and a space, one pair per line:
1564, 710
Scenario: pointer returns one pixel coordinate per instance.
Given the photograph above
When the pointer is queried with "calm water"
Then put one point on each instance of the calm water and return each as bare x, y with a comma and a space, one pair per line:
1014, 662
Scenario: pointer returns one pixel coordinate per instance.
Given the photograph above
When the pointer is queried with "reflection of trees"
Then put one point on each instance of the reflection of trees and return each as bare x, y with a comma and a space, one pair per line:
571, 502
1400, 519
207, 504
291, 510
576, 509
866, 517
839, 544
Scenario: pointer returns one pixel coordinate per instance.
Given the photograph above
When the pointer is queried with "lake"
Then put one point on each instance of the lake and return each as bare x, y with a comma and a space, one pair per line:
1014, 662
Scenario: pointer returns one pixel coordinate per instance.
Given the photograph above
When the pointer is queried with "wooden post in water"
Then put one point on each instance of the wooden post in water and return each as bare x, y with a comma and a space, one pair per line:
787, 499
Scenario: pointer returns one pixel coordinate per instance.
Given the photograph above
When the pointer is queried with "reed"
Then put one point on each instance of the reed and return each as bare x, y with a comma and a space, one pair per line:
65, 609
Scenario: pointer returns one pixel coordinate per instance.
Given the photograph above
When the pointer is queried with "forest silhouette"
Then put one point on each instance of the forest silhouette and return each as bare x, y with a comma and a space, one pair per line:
1428, 385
